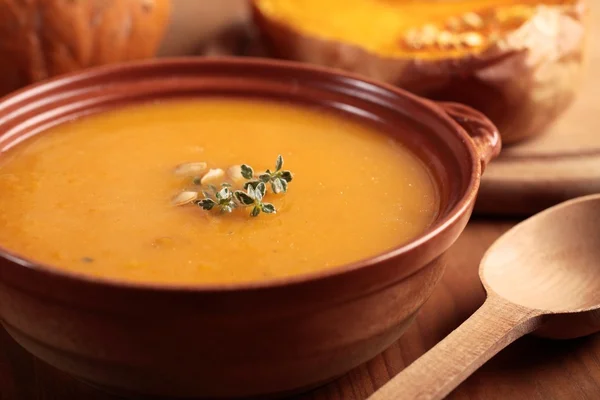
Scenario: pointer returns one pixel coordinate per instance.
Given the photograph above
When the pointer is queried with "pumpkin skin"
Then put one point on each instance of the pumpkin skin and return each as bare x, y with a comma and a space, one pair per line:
43, 38
522, 80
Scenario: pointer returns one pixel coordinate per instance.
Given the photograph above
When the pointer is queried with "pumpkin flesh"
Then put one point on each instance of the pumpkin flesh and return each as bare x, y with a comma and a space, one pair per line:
425, 29
519, 62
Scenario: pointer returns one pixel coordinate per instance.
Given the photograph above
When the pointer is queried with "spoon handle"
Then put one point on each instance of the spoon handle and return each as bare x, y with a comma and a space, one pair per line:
434, 375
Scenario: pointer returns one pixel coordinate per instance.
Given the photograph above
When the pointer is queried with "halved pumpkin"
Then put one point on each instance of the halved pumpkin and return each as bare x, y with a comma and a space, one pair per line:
43, 38
518, 61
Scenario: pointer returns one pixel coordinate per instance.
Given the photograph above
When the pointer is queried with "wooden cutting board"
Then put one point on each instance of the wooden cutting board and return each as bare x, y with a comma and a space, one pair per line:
559, 165
528, 177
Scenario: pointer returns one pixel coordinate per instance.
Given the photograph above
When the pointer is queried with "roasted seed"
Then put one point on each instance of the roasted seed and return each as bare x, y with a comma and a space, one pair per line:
235, 174
412, 39
429, 34
414, 44
473, 20
446, 39
429, 30
212, 176
471, 39
184, 198
190, 169
454, 24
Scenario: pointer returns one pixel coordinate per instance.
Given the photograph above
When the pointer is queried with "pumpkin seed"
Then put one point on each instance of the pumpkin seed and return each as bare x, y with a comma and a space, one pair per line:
446, 39
212, 175
473, 20
184, 198
190, 169
235, 174
471, 39
412, 40
429, 34
454, 24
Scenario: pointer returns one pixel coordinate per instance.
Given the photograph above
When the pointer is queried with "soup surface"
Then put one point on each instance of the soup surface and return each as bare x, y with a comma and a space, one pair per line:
93, 196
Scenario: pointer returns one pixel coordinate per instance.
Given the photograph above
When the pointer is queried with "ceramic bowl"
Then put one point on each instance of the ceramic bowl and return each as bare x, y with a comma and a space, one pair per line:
239, 340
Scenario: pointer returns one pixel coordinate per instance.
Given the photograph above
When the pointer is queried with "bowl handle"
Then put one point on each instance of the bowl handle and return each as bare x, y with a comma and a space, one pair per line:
482, 131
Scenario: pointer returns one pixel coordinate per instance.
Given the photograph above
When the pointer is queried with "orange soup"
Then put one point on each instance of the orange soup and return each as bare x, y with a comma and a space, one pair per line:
95, 196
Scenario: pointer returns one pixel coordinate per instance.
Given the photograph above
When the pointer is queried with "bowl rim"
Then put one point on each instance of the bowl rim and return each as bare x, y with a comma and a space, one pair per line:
437, 227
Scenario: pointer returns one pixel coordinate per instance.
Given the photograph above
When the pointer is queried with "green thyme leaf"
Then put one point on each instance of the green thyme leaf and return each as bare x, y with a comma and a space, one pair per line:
261, 190
265, 178
243, 198
277, 186
286, 175
268, 208
224, 195
252, 184
227, 200
207, 204
247, 171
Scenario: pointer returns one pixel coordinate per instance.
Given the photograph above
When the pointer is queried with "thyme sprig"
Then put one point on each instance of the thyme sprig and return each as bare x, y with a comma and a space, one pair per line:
223, 199
226, 199
278, 179
254, 197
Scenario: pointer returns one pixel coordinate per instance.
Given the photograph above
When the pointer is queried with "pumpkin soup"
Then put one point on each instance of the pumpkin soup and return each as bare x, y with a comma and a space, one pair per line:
105, 195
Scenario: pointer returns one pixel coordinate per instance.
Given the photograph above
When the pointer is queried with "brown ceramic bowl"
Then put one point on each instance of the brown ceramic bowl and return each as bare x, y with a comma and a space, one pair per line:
239, 340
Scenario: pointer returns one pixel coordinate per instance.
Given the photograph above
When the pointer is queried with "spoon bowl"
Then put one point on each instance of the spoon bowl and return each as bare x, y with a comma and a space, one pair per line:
542, 276
550, 262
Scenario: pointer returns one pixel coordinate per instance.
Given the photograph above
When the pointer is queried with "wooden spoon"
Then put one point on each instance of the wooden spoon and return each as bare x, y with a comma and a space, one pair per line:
543, 275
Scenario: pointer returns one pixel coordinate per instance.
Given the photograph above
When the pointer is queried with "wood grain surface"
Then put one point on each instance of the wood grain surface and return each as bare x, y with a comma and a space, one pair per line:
530, 369
562, 163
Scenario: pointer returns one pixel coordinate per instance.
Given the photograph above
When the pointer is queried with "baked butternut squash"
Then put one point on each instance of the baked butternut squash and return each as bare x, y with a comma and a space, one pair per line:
518, 61
43, 38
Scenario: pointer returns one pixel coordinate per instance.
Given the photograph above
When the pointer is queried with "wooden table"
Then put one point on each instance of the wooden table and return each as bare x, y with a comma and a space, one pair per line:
531, 368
